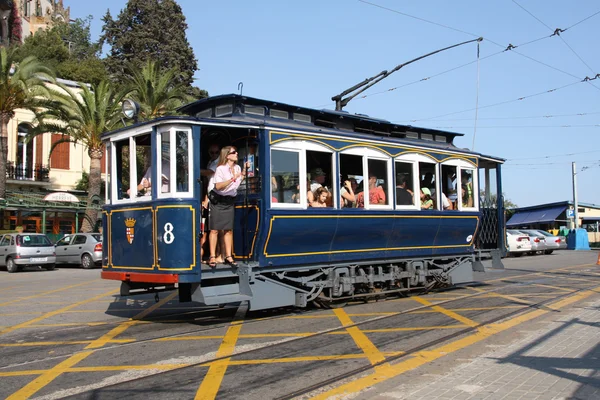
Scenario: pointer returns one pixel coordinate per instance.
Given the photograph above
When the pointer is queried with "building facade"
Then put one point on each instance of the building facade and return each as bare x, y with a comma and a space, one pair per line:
38, 14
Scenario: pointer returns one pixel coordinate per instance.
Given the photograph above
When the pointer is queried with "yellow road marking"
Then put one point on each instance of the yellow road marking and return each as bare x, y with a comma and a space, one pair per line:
48, 376
33, 344
361, 340
566, 290
53, 313
70, 324
212, 381
423, 357
310, 358
446, 312
465, 309
147, 311
48, 292
53, 373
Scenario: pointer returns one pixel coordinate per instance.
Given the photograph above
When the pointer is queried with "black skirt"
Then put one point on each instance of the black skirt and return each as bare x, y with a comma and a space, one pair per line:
220, 216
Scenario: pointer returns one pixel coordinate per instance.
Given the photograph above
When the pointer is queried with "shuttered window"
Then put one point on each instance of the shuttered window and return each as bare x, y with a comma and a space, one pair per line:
60, 156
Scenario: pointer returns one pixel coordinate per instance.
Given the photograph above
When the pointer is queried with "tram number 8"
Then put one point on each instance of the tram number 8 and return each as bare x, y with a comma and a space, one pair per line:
168, 236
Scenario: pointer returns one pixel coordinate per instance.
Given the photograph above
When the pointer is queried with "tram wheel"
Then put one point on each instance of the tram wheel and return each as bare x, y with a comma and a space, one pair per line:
325, 300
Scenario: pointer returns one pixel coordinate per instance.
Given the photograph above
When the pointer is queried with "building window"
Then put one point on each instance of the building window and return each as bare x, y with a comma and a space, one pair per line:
60, 155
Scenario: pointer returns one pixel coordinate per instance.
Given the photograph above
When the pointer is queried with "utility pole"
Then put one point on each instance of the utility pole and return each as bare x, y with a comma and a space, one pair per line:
576, 214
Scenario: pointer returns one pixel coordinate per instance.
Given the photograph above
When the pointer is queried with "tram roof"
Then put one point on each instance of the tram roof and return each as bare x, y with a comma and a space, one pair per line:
343, 120
250, 111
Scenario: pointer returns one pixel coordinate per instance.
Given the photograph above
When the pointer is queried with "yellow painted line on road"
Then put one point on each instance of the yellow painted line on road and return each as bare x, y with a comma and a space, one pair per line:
56, 343
446, 312
310, 358
466, 309
424, 357
55, 312
562, 289
360, 339
212, 380
154, 307
48, 376
70, 324
48, 292
53, 373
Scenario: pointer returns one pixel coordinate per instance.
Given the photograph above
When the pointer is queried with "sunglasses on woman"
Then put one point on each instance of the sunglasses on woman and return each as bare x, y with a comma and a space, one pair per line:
233, 152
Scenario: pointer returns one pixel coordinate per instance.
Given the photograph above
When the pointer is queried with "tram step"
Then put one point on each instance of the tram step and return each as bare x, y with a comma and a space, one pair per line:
231, 298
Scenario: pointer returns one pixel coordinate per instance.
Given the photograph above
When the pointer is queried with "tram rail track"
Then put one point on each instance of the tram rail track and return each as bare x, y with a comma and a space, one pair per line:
354, 372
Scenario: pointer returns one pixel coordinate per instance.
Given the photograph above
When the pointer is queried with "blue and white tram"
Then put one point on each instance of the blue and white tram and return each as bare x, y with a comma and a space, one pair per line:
288, 252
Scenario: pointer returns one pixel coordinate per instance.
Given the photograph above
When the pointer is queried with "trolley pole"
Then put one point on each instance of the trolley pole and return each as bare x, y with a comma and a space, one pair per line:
576, 214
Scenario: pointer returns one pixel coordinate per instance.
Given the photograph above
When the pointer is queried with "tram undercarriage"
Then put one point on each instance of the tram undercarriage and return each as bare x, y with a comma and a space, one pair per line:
326, 286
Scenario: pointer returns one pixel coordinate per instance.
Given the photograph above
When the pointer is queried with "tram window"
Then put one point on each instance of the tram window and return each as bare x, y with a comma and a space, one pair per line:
428, 181
183, 162
378, 182
467, 188
351, 170
448, 181
165, 164
122, 162
405, 184
285, 177
319, 167
107, 175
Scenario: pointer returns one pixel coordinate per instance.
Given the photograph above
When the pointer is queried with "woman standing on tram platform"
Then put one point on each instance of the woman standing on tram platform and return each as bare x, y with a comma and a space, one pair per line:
227, 179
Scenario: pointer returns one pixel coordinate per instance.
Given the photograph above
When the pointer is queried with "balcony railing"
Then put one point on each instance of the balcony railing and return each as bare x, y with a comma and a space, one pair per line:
20, 172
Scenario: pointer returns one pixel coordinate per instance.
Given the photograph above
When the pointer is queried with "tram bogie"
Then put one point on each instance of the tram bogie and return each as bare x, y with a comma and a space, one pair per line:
289, 253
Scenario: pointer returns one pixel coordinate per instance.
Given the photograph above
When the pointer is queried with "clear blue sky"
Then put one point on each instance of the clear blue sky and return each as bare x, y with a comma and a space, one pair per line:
304, 52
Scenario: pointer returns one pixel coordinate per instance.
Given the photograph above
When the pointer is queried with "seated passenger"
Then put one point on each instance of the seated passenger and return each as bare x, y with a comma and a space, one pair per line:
426, 202
404, 197
376, 194
467, 191
347, 193
145, 186
317, 177
446, 205
321, 197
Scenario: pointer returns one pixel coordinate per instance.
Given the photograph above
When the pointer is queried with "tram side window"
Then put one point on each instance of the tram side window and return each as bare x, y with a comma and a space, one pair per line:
183, 162
467, 188
165, 164
427, 185
319, 169
107, 175
122, 169
405, 184
378, 182
448, 181
285, 177
351, 171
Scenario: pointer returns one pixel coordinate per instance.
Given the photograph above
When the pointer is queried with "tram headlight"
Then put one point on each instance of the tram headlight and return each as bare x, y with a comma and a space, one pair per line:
130, 109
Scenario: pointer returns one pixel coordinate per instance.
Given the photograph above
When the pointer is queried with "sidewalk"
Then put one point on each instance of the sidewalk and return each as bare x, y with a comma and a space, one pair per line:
554, 357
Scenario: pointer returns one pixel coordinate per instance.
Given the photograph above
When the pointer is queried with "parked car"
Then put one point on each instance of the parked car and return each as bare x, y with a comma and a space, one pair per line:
518, 243
553, 242
538, 241
21, 249
84, 249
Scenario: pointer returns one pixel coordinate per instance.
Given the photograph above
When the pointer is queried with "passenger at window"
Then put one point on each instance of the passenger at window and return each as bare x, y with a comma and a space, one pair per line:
321, 198
144, 188
228, 177
317, 177
426, 202
428, 181
376, 194
404, 197
467, 190
446, 204
347, 193
211, 167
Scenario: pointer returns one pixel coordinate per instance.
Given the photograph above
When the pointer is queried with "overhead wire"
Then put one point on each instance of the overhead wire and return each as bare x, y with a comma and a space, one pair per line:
522, 117
519, 126
556, 155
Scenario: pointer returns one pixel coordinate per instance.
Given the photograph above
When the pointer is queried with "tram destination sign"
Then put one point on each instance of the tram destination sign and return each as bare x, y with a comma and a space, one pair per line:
62, 197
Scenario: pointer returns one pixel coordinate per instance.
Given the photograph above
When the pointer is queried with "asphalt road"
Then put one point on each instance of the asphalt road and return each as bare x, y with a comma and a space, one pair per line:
68, 333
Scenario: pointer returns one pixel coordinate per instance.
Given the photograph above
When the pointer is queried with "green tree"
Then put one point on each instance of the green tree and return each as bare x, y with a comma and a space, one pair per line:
149, 29
82, 117
158, 92
68, 49
22, 86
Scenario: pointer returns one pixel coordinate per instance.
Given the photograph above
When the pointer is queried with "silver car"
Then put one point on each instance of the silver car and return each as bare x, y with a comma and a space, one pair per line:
84, 249
553, 242
538, 241
18, 250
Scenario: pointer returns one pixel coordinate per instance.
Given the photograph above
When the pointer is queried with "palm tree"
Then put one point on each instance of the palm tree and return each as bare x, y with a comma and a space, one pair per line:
82, 117
22, 86
156, 91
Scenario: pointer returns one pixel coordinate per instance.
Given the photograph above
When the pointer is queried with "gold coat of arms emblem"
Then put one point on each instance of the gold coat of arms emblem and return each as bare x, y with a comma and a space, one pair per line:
130, 230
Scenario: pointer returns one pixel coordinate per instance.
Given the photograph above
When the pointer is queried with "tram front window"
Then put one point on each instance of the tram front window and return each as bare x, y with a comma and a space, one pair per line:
122, 169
